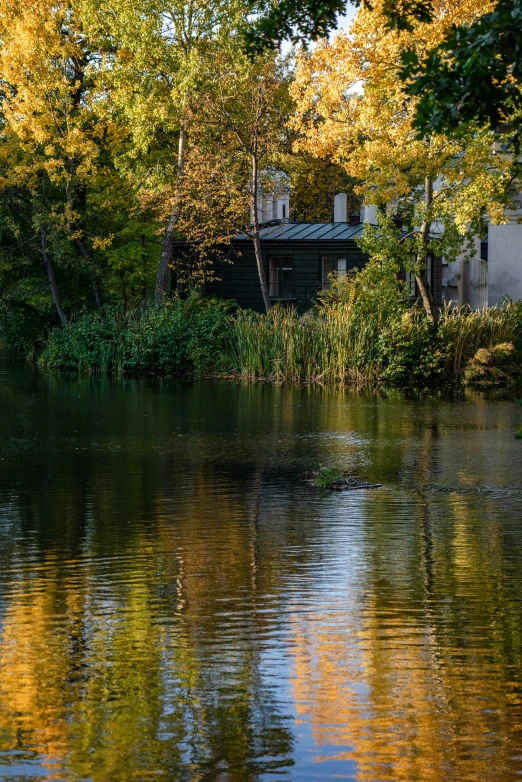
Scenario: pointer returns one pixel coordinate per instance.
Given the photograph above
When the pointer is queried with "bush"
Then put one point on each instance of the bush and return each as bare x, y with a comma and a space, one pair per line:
187, 335
412, 354
21, 327
409, 352
494, 366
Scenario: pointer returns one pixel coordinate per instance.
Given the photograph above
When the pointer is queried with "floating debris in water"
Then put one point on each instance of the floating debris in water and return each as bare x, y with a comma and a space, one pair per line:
330, 478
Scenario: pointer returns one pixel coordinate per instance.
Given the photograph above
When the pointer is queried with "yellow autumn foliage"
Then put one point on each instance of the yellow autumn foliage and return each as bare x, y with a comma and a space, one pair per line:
352, 107
44, 64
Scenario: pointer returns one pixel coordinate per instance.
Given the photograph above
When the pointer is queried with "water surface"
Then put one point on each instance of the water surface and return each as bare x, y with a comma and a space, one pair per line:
177, 603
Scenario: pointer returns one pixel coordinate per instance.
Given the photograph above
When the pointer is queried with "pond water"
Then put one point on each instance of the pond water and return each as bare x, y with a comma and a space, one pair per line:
176, 602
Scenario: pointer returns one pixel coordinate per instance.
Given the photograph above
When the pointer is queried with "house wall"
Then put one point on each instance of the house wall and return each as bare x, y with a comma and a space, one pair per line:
465, 281
239, 280
505, 261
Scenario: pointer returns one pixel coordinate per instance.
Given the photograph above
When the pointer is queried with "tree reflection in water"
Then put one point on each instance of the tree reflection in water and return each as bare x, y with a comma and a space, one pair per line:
174, 601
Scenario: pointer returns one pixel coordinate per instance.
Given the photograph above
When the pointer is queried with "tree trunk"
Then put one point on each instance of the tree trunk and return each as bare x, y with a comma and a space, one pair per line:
94, 280
144, 262
256, 239
168, 241
52, 279
422, 283
97, 293
427, 300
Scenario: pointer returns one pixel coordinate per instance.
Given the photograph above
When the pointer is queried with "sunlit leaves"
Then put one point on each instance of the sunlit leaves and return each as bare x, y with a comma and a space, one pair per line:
354, 108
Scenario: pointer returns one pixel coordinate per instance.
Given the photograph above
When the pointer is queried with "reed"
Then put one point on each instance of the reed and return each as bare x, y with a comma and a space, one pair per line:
342, 344
323, 346
463, 331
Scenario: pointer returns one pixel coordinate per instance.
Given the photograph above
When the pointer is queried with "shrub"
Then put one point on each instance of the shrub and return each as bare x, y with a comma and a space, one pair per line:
409, 352
493, 366
21, 327
185, 336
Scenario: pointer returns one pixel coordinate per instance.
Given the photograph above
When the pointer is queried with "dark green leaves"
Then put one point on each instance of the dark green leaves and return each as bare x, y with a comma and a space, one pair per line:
292, 20
474, 76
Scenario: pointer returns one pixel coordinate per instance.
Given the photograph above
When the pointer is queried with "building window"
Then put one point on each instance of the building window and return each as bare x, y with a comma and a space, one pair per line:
429, 269
332, 265
281, 277
411, 283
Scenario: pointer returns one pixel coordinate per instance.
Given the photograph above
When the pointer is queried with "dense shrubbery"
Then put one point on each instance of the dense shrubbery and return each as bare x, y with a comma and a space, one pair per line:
362, 330
410, 353
21, 327
187, 335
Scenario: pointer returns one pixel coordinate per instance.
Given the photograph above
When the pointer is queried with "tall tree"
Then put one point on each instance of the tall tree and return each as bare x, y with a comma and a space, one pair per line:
241, 135
55, 136
353, 107
155, 55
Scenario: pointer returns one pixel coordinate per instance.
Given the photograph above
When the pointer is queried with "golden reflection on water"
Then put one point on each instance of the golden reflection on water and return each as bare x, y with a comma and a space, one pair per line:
176, 603
425, 688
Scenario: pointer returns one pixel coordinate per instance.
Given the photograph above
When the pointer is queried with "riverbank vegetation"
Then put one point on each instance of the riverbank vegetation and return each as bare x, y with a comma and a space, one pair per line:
124, 127
363, 331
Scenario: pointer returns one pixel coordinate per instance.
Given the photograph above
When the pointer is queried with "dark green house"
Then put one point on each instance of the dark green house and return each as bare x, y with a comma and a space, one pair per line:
298, 258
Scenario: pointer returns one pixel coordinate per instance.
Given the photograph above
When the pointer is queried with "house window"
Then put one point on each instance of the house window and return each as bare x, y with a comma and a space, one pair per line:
281, 277
429, 269
411, 284
332, 265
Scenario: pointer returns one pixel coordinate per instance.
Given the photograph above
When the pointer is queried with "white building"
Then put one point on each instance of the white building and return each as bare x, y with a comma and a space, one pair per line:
273, 201
494, 273
505, 257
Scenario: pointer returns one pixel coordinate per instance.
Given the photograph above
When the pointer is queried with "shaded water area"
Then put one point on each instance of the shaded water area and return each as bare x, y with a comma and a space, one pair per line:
176, 603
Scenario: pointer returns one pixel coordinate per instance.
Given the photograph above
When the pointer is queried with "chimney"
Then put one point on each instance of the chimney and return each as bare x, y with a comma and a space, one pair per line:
340, 206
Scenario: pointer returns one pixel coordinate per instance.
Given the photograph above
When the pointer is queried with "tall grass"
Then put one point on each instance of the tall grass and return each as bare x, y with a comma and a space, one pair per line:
320, 347
363, 337
464, 331
341, 344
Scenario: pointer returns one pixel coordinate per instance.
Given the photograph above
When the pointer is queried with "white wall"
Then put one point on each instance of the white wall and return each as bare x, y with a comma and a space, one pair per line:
369, 214
273, 197
505, 261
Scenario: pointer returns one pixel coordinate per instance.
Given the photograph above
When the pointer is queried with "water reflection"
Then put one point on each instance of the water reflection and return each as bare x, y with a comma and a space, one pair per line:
175, 602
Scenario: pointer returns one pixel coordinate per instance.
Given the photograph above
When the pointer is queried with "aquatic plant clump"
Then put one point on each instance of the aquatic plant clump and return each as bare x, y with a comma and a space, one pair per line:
326, 476
331, 478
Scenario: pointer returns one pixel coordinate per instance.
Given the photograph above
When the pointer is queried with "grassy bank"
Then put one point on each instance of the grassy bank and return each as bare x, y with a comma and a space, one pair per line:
329, 345
362, 331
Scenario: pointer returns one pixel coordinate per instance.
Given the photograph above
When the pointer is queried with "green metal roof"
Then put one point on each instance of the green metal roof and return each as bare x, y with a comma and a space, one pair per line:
307, 232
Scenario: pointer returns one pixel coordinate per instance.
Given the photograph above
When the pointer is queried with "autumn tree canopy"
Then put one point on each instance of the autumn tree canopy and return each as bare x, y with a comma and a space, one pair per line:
352, 107
472, 74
